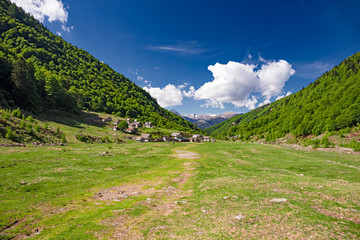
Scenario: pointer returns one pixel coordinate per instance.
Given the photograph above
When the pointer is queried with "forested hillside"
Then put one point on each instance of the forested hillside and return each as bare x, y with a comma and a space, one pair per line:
331, 103
41, 71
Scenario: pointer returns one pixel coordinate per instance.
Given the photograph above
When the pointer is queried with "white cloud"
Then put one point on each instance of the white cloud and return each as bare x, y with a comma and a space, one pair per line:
236, 83
182, 47
140, 78
190, 93
233, 83
170, 95
272, 77
58, 33
53, 10
282, 96
67, 29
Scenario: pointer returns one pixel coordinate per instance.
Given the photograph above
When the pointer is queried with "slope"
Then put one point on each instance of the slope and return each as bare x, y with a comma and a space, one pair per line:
331, 103
39, 71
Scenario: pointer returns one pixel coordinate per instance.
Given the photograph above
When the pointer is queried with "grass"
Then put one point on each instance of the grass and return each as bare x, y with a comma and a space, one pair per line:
223, 192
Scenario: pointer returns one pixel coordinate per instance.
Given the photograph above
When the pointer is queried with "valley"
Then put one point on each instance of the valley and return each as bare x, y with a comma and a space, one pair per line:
182, 190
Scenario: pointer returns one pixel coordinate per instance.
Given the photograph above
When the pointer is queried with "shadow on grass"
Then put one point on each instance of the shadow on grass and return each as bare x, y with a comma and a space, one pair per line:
71, 119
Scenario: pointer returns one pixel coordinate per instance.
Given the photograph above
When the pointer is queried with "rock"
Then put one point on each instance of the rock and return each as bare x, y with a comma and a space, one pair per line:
239, 217
278, 200
226, 198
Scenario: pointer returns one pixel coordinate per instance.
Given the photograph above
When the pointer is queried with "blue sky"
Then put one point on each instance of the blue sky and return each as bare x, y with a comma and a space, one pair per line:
209, 56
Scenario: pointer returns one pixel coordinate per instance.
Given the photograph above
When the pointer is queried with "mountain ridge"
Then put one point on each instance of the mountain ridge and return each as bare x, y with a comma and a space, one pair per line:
204, 121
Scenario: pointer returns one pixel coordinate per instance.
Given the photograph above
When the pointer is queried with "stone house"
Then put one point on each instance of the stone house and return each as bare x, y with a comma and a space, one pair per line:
148, 125
146, 137
206, 139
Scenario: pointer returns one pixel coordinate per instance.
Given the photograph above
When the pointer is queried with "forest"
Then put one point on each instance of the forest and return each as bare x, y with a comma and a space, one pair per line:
331, 103
39, 71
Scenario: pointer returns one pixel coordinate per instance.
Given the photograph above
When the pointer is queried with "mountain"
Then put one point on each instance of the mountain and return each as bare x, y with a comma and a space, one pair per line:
41, 71
331, 103
207, 120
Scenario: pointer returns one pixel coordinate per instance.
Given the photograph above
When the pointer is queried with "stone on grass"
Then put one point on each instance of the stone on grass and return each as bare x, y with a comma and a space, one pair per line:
278, 200
239, 217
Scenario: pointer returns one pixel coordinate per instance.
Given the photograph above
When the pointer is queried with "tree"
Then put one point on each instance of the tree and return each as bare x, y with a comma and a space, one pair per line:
24, 93
123, 125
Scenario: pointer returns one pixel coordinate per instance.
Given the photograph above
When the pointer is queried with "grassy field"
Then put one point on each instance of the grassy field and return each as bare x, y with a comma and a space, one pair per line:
178, 191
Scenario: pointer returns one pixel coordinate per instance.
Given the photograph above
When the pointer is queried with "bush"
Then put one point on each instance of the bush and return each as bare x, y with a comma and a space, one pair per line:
325, 142
37, 128
22, 125
63, 138
355, 145
9, 134
46, 126
16, 113
29, 119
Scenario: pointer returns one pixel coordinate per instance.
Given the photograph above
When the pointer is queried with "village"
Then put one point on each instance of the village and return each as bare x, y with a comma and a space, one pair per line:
133, 127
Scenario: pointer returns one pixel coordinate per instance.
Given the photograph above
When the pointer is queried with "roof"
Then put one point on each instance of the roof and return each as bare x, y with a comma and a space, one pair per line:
138, 139
145, 135
175, 134
206, 137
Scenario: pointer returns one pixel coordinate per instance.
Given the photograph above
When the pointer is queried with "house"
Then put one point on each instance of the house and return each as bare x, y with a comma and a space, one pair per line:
128, 120
146, 137
148, 125
131, 130
108, 119
196, 138
115, 128
206, 139
176, 137
139, 139
135, 124
165, 138
213, 140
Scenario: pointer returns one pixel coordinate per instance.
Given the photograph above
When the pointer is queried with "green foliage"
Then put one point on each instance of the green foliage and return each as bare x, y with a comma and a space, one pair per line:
355, 145
22, 125
63, 138
123, 125
29, 119
37, 128
16, 113
40, 71
9, 134
325, 142
46, 126
57, 132
331, 103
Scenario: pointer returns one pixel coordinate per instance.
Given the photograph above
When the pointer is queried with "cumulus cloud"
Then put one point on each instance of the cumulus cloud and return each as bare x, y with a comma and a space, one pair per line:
53, 10
140, 78
236, 83
272, 77
190, 93
170, 95
282, 96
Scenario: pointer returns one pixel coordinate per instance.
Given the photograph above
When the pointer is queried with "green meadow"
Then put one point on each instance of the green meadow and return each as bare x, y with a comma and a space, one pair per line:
217, 190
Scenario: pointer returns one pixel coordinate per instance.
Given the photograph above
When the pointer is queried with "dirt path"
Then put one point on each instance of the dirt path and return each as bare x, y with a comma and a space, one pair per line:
164, 196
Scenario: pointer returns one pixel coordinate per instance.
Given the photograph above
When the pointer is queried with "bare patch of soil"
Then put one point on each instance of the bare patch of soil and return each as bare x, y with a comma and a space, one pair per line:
186, 154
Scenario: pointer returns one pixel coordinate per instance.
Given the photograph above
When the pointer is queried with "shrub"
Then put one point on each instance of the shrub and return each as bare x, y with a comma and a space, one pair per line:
29, 119
325, 142
9, 134
37, 128
16, 113
22, 125
63, 138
